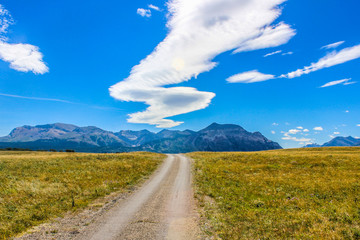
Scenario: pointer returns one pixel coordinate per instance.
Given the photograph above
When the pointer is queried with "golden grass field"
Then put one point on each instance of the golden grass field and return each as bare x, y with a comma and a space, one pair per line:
283, 194
36, 186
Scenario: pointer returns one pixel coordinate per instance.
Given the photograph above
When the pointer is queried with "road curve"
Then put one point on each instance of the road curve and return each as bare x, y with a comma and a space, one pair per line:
163, 208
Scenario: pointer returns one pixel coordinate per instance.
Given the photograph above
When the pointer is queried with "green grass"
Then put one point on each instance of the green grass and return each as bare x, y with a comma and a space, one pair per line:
284, 194
36, 186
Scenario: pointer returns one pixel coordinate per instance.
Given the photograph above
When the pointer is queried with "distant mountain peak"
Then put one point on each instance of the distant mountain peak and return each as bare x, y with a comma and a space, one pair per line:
312, 145
214, 125
217, 126
63, 126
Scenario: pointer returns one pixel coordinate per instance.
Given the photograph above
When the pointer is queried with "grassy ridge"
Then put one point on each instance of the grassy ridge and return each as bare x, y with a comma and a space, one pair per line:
283, 194
35, 186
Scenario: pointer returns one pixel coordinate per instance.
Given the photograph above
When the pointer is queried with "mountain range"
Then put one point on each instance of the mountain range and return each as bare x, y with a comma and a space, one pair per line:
60, 136
338, 142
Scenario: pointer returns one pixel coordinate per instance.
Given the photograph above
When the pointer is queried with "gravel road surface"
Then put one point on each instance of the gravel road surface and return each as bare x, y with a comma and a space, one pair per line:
163, 208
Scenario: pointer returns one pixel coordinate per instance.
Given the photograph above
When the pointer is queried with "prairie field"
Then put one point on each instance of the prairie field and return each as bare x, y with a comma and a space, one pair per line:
37, 186
283, 194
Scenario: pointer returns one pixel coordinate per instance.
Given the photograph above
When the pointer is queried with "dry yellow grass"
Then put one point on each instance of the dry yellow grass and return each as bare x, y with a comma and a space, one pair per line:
284, 194
36, 186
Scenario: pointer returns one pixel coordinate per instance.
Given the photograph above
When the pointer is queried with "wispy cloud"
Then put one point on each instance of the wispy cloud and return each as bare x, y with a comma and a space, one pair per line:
250, 77
318, 129
273, 53
333, 45
337, 82
349, 83
358, 125
278, 52
104, 108
5, 21
271, 36
60, 101
144, 12
194, 40
35, 98
330, 60
147, 12
22, 57
156, 8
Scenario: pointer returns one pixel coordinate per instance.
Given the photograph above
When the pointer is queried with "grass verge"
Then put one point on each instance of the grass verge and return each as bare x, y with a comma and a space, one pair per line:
283, 194
36, 186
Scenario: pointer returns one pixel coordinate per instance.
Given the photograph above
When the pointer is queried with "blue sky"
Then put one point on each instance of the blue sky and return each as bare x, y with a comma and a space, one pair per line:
59, 59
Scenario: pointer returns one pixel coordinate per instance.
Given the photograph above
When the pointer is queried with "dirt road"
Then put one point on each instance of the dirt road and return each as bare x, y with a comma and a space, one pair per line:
162, 209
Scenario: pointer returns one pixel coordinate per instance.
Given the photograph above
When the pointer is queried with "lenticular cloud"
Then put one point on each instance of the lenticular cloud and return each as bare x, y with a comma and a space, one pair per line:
199, 30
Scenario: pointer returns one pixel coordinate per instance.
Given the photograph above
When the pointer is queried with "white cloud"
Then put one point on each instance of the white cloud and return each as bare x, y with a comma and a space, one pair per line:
273, 132
275, 124
331, 59
250, 77
198, 32
347, 111
300, 127
333, 45
336, 133
293, 131
287, 136
337, 82
358, 125
272, 53
318, 129
144, 12
22, 57
287, 53
306, 130
156, 8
